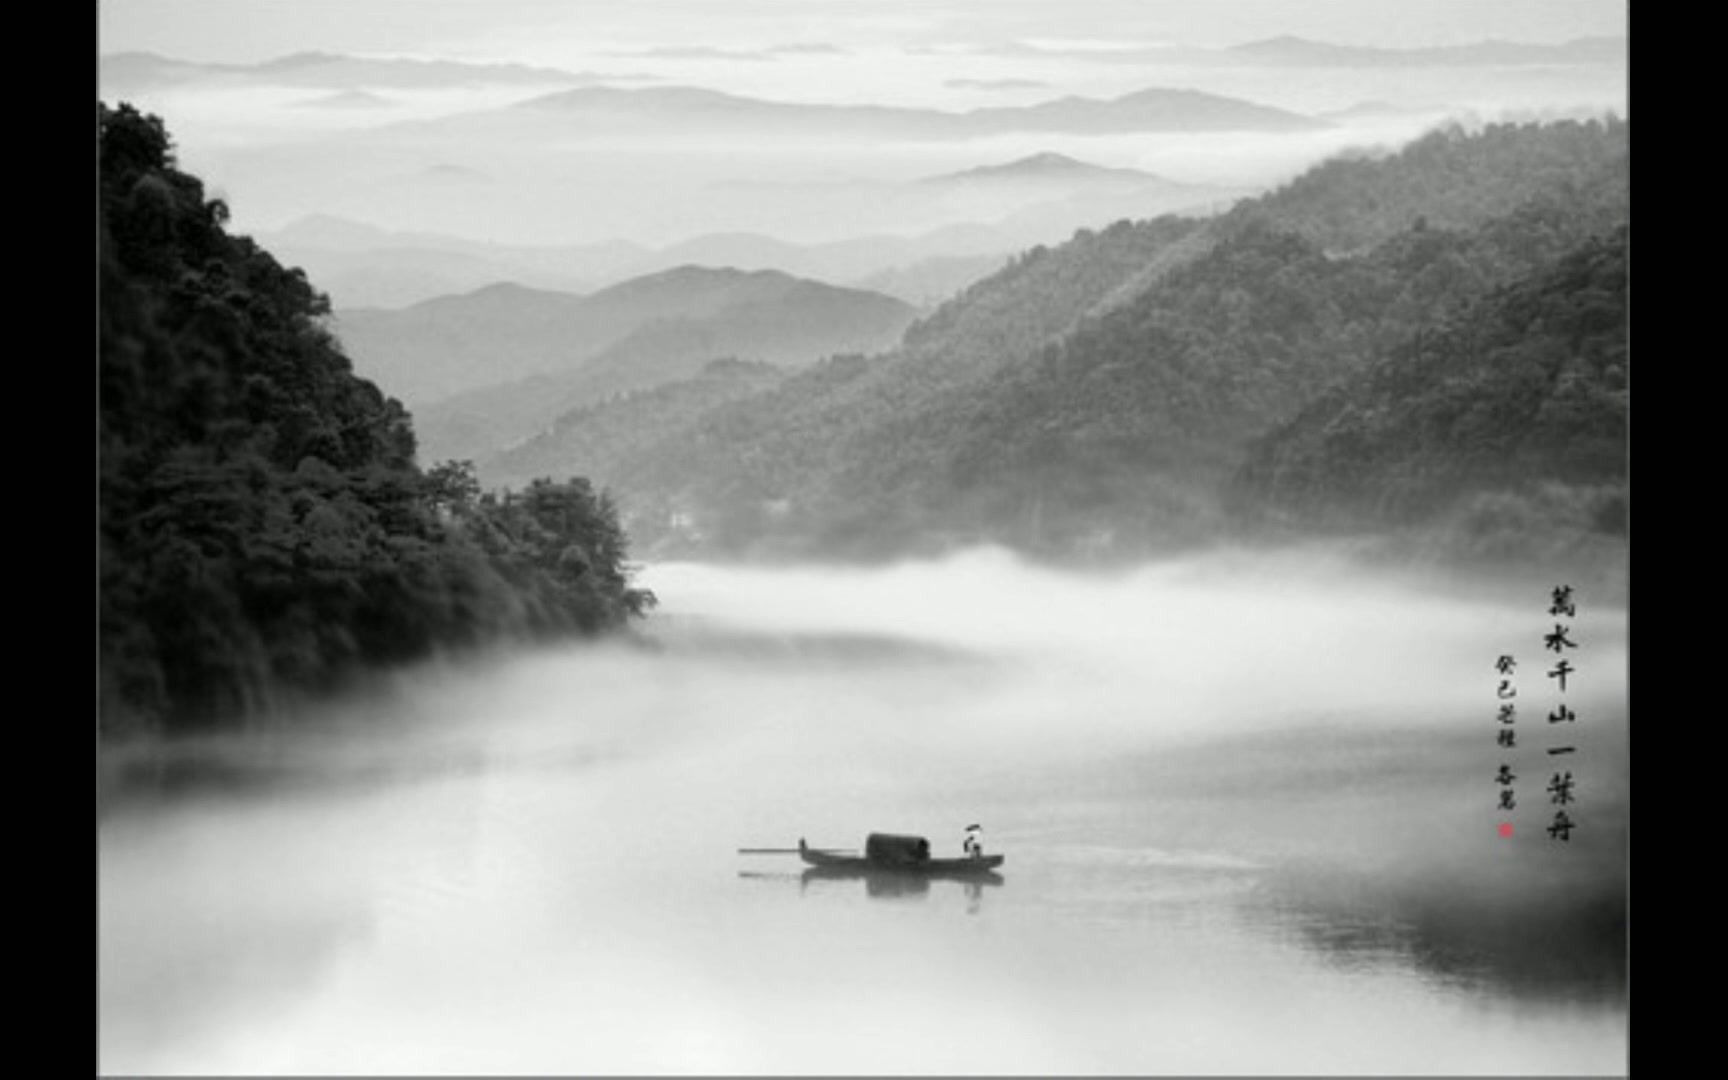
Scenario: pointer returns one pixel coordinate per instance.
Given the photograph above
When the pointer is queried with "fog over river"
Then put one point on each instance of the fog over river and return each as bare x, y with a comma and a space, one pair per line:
1247, 802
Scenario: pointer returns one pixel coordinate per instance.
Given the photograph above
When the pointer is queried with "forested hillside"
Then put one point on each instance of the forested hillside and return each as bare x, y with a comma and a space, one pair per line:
777, 461
1045, 290
1510, 417
1132, 425
662, 440
264, 528
1102, 395
1454, 180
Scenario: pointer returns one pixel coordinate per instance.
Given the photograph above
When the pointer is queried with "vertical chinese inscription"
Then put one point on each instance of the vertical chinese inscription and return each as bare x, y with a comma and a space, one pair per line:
1561, 784
1506, 737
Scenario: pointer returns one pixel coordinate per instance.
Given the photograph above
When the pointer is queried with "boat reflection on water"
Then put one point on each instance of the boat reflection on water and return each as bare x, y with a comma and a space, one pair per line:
882, 884
886, 884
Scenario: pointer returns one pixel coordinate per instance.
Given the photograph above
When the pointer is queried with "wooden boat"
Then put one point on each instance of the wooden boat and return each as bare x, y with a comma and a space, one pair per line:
887, 853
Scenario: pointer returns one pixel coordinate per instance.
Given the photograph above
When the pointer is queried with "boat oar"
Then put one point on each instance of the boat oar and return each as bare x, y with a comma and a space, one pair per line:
794, 851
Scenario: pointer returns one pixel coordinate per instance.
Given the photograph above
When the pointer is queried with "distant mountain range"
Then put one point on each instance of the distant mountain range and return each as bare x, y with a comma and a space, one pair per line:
131, 72
1429, 341
1039, 199
592, 100
1036, 200
683, 107
539, 151
489, 367
1301, 52
1291, 51
359, 100
789, 334
364, 267
1048, 168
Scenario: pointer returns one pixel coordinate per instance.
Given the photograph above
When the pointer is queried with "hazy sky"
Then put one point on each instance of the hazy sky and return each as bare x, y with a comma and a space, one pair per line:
277, 152
564, 31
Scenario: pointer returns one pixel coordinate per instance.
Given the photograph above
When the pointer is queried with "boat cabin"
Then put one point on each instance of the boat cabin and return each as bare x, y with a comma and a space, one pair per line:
887, 849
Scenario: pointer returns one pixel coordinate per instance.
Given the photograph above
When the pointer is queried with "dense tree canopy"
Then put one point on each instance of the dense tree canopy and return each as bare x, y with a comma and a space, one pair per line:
263, 525
1524, 389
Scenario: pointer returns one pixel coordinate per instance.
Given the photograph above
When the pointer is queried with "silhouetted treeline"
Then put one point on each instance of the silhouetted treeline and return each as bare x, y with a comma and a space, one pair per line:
263, 524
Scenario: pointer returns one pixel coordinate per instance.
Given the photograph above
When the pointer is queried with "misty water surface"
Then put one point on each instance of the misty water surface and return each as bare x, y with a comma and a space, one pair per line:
1247, 806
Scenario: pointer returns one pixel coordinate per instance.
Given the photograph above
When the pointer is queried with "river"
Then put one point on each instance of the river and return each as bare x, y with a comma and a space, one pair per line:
1248, 805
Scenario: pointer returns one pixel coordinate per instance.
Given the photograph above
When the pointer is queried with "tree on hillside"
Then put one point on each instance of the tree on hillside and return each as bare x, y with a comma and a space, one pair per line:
263, 526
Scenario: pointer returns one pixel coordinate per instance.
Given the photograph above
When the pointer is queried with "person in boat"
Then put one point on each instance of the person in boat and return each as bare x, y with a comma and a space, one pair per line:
973, 845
